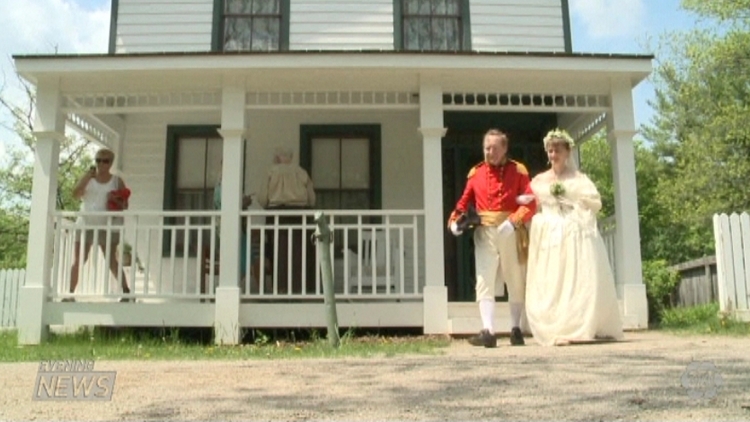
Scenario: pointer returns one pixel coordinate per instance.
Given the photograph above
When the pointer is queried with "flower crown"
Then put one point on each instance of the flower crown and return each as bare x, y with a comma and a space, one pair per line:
559, 134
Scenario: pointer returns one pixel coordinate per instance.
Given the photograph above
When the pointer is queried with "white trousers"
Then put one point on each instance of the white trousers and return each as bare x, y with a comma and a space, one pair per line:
496, 259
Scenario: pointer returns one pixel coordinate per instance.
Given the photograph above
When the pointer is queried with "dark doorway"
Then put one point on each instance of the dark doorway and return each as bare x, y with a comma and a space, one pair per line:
462, 149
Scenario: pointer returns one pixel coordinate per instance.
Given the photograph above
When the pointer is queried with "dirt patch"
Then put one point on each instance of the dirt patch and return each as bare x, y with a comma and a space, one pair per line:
639, 378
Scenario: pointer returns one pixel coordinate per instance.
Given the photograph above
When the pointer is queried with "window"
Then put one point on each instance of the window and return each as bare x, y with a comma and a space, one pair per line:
251, 25
341, 172
193, 168
344, 164
433, 25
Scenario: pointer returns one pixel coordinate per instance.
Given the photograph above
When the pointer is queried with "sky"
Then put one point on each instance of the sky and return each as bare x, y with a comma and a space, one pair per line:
82, 26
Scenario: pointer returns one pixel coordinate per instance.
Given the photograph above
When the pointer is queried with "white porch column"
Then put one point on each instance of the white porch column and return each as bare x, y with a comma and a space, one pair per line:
49, 130
226, 324
431, 127
621, 129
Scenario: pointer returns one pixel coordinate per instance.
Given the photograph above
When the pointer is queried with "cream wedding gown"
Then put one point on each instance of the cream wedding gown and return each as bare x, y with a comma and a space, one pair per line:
570, 289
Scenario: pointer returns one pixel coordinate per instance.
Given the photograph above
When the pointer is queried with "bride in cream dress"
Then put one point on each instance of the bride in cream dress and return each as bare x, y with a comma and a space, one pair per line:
570, 289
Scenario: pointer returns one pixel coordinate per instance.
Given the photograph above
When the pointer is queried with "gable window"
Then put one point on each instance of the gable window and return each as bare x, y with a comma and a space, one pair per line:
433, 25
251, 25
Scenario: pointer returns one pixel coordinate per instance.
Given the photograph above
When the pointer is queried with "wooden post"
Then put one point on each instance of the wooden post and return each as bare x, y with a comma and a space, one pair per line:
323, 240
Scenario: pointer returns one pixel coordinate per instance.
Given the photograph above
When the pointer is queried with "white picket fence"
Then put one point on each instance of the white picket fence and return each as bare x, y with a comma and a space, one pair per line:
10, 284
732, 236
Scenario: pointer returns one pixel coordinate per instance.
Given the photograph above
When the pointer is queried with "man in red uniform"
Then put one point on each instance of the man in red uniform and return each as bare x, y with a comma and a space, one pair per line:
498, 187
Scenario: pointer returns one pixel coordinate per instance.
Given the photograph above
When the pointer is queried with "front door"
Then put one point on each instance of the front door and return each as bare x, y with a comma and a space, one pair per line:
462, 149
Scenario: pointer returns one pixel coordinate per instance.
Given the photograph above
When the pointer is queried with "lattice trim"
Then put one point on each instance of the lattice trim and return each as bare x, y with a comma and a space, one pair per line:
90, 130
592, 126
332, 98
525, 100
199, 100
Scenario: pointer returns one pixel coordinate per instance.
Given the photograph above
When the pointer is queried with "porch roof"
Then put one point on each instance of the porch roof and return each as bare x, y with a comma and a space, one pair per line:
329, 69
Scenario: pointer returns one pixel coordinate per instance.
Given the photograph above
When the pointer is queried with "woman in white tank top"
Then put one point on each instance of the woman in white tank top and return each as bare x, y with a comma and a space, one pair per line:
94, 191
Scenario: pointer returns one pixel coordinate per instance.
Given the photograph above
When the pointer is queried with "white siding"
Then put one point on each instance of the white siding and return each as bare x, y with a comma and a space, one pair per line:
517, 25
144, 150
341, 25
164, 25
186, 25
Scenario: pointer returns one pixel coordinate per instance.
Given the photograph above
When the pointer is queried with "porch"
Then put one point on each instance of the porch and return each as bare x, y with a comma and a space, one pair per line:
248, 105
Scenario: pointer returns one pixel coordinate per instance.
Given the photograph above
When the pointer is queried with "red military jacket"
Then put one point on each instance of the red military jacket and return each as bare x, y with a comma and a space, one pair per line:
493, 191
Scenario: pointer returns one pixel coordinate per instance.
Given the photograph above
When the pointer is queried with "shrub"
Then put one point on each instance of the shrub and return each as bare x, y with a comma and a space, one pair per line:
661, 282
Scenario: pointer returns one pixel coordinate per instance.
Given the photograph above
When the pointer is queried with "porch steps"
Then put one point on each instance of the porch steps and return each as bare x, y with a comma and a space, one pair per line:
464, 319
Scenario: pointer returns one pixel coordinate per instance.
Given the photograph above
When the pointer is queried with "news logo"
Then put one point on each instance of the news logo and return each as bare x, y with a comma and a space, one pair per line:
702, 380
73, 380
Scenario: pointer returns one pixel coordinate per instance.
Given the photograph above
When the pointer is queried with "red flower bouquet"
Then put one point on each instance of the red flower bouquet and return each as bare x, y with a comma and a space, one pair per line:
117, 199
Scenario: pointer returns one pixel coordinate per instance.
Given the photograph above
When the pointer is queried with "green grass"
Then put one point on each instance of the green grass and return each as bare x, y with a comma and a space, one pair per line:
133, 344
702, 319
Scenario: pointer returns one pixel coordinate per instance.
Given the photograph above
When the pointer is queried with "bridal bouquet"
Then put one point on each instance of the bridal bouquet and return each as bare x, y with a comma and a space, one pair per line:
557, 189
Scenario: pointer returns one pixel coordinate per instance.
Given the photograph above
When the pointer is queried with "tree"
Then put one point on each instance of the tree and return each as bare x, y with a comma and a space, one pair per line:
16, 175
700, 127
596, 162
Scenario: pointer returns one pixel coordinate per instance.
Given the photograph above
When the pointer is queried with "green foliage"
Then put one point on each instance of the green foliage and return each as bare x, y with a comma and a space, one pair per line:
702, 319
656, 242
726, 10
661, 282
16, 175
700, 130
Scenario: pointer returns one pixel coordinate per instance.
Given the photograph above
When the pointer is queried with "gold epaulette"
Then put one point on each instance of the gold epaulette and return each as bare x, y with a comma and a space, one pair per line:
521, 168
474, 170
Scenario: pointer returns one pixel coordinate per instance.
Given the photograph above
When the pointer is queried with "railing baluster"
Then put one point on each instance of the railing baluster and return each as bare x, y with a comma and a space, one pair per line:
172, 253
262, 258
185, 254
56, 257
360, 257
373, 259
346, 260
304, 255
199, 263
387, 255
401, 260
211, 255
133, 257
276, 255
415, 254
147, 269
332, 226
289, 242
160, 276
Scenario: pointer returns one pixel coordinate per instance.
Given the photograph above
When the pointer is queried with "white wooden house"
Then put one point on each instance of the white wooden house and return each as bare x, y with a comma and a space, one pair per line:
384, 103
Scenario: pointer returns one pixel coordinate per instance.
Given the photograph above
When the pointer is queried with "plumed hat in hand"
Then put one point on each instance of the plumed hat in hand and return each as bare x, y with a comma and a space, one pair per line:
468, 220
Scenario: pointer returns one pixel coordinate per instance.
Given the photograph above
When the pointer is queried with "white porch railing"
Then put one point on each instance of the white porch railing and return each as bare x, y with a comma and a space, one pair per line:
607, 229
378, 254
164, 249
732, 239
11, 281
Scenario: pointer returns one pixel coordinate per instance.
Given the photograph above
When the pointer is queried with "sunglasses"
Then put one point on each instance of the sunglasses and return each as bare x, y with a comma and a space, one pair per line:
103, 160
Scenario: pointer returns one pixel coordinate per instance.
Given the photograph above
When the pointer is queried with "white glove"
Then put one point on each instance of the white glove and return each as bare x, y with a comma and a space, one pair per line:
454, 229
524, 199
506, 228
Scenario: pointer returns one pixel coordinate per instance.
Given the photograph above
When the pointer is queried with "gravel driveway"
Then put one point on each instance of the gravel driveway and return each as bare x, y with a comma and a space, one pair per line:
638, 379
